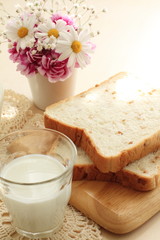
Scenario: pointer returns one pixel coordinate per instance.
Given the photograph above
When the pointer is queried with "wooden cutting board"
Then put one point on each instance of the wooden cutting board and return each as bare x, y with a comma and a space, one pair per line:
115, 208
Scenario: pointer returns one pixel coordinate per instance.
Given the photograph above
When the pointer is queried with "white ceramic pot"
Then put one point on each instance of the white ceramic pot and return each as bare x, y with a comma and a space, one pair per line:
45, 93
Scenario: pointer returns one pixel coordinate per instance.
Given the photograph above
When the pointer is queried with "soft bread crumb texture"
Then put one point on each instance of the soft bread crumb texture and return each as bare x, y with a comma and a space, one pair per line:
147, 166
118, 115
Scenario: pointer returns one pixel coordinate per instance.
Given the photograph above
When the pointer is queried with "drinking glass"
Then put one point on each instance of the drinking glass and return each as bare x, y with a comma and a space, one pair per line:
36, 174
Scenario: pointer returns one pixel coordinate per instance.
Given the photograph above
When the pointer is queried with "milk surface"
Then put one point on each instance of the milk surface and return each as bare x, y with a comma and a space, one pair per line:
39, 207
32, 168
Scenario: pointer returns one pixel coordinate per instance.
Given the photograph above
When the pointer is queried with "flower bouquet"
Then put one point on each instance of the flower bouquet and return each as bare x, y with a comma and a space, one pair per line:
50, 38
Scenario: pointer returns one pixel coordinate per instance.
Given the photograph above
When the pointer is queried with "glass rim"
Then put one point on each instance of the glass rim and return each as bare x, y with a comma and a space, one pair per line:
67, 171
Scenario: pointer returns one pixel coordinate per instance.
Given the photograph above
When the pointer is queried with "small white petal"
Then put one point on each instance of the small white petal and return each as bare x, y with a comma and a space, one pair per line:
63, 43
43, 28
18, 46
80, 60
12, 36
65, 36
50, 24
74, 34
40, 34
65, 54
61, 48
71, 60
87, 48
84, 36
85, 57
31, 22
60, 25
23, 43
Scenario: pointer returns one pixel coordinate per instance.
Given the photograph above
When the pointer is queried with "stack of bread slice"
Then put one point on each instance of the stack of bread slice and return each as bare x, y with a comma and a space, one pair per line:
116, 127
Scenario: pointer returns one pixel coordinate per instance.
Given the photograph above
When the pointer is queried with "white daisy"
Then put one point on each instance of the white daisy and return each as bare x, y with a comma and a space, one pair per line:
75, 46
49, 32
21, 30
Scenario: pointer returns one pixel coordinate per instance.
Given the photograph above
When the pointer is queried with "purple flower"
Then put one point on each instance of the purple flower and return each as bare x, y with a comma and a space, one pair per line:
53, 69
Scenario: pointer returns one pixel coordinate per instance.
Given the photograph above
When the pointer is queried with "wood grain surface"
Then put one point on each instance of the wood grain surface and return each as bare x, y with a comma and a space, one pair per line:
115, 208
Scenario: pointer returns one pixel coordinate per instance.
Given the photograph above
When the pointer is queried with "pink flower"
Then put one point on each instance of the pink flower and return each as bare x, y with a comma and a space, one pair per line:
53, 69
50, 45
27, 69
14, 54
67, 19
27, 62
45, 62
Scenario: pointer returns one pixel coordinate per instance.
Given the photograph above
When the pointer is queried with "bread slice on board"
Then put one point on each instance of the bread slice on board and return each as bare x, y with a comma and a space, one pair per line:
115, 122
141, 175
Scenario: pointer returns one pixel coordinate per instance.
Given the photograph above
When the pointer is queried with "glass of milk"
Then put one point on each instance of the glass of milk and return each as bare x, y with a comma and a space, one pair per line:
36, 174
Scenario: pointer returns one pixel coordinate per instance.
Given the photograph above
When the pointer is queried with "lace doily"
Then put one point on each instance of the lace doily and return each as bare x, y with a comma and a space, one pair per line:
17, 114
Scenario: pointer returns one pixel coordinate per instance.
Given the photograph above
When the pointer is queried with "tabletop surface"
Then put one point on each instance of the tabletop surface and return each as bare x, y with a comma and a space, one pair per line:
129, 41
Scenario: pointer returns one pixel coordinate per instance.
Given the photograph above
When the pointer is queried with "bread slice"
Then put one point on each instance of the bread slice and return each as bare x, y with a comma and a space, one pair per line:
115, 123
141, 175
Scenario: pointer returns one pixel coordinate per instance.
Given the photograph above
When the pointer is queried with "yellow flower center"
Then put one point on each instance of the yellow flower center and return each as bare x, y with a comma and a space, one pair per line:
76, 46
53, 32
22, 32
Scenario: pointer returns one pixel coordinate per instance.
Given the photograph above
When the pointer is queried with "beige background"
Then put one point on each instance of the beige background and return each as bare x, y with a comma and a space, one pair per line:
129, 41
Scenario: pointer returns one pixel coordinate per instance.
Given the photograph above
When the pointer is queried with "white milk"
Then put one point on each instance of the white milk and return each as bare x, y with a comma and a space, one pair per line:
40, 207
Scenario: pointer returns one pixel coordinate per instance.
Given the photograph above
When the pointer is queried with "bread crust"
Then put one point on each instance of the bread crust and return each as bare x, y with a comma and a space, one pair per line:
125, 177
104, 163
